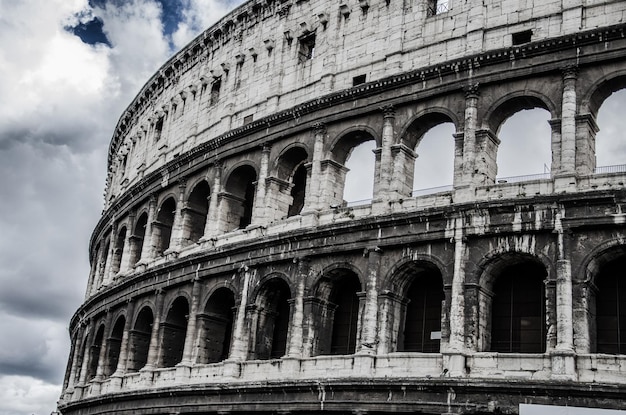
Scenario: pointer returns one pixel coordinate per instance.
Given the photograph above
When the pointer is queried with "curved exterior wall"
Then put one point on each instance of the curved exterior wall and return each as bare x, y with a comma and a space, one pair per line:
228, 275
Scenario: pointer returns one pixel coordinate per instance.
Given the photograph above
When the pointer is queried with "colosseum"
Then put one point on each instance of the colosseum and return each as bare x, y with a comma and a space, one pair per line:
230, 276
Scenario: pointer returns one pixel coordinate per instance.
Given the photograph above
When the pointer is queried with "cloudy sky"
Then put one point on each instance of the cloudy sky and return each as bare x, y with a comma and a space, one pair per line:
68, 68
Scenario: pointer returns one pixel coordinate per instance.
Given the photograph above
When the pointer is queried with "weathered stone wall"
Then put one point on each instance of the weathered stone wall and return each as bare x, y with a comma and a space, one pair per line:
206, 281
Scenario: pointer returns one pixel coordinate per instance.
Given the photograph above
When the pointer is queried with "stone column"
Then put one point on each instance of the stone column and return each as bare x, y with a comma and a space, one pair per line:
177, 226
459, 141
75, 358
369, 331
568, 122
147, 250
153, 349
391, 310
332, 183
454, 359
85, 364
555, 127
296, 339
191, 336
211, 228
259, 214
314, 198
586, 130
126, 252
239, 345
563, 357
469, 134
403, 171
385, 167
486, 166
122, 362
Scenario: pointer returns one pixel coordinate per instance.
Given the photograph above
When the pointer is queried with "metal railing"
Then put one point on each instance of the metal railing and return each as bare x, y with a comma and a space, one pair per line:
431, 190
525, 178
616, 168
356, 203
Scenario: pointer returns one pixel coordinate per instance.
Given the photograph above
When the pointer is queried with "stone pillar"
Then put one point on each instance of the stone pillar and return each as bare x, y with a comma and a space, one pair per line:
391, 310
454, 359
104, 347
563, 357
568, 122
296, 338
470, 147
403, 170
239, 345
314, 198
85, 364
555, 126
384, 173
586, 130
108, 268
277, 198
459, 141
369, 331
211, 228
332, 183
127, 251
485, 163
191, 336
75, 358
259, 214
177, 227
147, 250
122, 362
153, 349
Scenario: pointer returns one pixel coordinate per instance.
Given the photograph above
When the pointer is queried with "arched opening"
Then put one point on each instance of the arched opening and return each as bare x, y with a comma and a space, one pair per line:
174, 331
273, 316
118, 251
216, 326
609, 145
94, 353
114, 346
344, 295
359, 179
240, 188
610, 304
139, 340
287, 190
422, 318
104, 255
525, 149
432, 137
136, 241
163, 225
196, 213
518, 308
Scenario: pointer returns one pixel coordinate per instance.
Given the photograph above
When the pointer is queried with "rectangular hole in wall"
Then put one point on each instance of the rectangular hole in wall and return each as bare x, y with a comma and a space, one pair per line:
358, 80
520, 38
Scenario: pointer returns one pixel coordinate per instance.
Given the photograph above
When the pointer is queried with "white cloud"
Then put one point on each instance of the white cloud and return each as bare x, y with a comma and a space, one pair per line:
198, 16
21, 395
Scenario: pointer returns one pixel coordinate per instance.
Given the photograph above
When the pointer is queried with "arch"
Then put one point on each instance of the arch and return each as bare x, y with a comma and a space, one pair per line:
114, 346
94, 353
272, 314
413, 131
599, 91
196, 213
337, 292
349, 138
291, 170
173, 332
139, 339
512, 305
118, 250
419, 313
216, 326
515, 102
240, 190
162, 227
606, 124
136, 241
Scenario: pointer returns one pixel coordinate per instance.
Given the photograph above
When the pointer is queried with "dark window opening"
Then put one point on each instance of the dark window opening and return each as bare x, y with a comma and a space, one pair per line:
422, 326
94, 353
307, 48
248, 119
437, 7
118, 251
158, 127
246, 217
240, 188
114, 347
345, 321
215, 91
139, 339
520, 38
137, 239
518, 314
298, 191
358, 80
273, 320
174, 333
611, 309
196, 212
163, 225
216, 326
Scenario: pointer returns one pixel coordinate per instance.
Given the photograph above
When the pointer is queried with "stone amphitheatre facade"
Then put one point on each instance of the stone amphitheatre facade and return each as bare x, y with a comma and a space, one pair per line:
229, 276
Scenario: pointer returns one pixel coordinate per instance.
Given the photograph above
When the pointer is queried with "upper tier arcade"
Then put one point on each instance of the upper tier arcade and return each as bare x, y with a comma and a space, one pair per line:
230, 275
